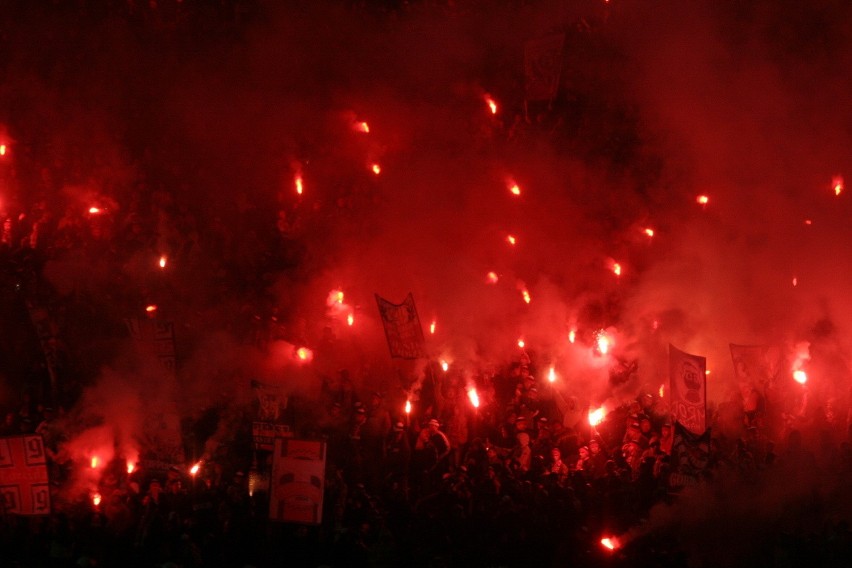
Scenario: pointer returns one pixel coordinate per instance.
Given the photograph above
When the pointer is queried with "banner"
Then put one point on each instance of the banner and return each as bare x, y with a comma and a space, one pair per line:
757, 365
161, 442
24, 486
298, 480
402, 328
272, 418
688, 387
543, 67
690, 457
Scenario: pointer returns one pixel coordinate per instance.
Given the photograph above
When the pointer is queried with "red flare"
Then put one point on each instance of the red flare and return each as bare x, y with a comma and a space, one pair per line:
445, 366
151, 308
350, 319
511, 239
521, 343
408, 407
473, 396
572, 336
95, 210
96, 499
551, 375
432, 327
525, 293
610, 543
649, 231
377, 169
162, 262
662, 390
492, 104
362, 127
514, 188
603, 342
300, 188
2, 149
130, 467
596, 416
193, 471
702, 200
800, 377
492, 278
616, 268
94, 462
837, 184
304, 354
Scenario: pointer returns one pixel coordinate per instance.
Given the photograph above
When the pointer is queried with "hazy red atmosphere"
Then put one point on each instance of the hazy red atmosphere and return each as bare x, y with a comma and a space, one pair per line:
255, 173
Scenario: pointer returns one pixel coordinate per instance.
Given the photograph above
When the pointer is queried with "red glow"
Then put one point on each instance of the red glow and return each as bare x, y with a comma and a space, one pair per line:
377, 169
800, 377
408, 407
151, 308
94, 462
95, 210
551, 375
521, 343
795, 281
596, 416
193, 471
304, 354
649, 232
334, 297
702, 200
616, 268
525, 293
808, 222
473, 396
362, 127
2, 149
662, 390
350, 319
572, 336
162, 262
445, 366
492, 278
837, 184
130, 467
432, 327
514, 188
511, 240
96, 499
492, 105
610, 543
299, 186
603, 342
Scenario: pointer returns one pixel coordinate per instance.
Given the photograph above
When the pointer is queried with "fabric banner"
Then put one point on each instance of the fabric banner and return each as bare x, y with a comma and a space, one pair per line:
298, 480
162, 442
24, 486
155, 337
690, 457
543, 67
758, 365
688, 387
402, 328
272, 417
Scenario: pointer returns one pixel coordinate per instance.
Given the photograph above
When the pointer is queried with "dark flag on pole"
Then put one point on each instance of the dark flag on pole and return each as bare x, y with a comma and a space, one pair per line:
688, 382
543, 67
402, 328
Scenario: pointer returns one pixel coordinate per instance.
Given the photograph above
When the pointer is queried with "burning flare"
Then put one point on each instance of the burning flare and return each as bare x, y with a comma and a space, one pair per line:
432, 327
96, 499
521, 343
130, 467
94, 462
610, 543
193, 471
800, 377
514, 188
2, 149
702, 200
649, 231
362, 127
551, 375
377, 169
511, 240
837, 184
300, 188
616, 268
350, 320
473, 396
492, 278
603, 342
445, 366
492, 104
150, 308
304, 354
95, 210
526, 294
162, 262
408, 407
596, 416
572, 336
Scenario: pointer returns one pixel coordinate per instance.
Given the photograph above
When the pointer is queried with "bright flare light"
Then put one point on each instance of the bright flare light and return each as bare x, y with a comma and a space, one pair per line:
304, 354
572, 336
492, 104
473, 396
521, 343
151, 308
300, 188
514, 188
445, 366
492, 278
162, 262
130, 467
377, 169
94, 462
795, 282
616, 268
610, 543
526, 294
596, 416
408, 407
432, 327
2, 149
837, 184
96, 499
350, 320
193, 471
603, 342
334, 297
362, 127
649, 231
662, 390
800, 377
511, 240
94, 210
702, 200
551, 375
